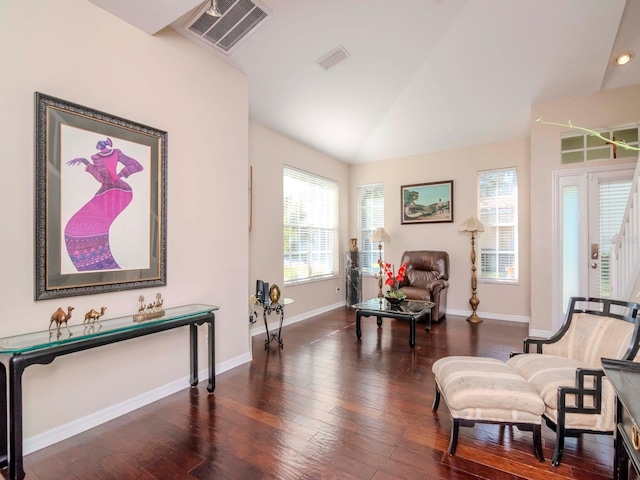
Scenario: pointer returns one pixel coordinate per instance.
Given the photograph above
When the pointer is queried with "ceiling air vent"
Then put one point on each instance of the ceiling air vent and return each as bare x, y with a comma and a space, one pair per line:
239, 18
333, 57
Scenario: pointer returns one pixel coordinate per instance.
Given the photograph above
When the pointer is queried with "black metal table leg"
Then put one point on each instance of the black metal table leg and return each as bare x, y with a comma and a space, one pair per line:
266, 327
280, 328
412, 332
379, 321
16, 470
358, 324
4, 452
193, 349
211, 353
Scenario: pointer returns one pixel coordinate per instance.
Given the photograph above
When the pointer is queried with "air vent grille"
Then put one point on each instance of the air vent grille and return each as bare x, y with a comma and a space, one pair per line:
239, 18
332, 58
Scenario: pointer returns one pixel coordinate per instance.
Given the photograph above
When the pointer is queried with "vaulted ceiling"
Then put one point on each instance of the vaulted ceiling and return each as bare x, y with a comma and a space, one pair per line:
420, 75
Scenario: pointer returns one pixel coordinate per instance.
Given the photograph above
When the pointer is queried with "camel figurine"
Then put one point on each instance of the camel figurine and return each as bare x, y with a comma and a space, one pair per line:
93, 316
60, 317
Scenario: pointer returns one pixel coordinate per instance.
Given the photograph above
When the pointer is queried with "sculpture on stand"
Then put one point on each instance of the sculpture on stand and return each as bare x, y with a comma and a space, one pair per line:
150, 311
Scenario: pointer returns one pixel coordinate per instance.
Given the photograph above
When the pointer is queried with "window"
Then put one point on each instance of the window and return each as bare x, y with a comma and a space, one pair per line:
498, 211
370, 217
310, 226
613, 204
585, 146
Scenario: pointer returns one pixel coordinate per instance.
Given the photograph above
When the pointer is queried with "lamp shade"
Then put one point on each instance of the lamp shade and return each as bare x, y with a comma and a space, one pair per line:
472, 224
380, 236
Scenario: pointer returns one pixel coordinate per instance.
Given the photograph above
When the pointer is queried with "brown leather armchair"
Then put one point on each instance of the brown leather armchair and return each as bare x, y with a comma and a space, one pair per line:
426, 279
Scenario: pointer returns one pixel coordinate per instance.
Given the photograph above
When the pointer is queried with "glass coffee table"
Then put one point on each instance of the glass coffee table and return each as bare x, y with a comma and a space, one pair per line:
412, 310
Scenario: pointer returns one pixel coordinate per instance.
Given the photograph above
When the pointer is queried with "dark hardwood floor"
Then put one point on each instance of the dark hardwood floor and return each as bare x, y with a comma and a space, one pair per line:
326, 406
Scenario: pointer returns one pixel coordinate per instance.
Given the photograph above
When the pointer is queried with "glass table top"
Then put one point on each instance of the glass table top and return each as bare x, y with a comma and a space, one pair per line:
269, 303
410, 307
47, 338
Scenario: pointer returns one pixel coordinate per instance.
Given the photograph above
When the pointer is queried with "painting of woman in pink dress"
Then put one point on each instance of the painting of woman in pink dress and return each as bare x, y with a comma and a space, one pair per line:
87, 231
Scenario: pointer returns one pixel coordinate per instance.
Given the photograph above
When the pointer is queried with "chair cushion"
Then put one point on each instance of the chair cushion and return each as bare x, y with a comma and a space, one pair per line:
486, 389
591, 337
546, 373
422, 278
415, 293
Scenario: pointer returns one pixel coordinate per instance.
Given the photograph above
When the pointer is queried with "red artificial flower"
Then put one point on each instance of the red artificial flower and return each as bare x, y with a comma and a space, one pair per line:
391, 279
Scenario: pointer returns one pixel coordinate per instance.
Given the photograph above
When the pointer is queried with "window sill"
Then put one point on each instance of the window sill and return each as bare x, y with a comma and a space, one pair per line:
293, 283
499, 282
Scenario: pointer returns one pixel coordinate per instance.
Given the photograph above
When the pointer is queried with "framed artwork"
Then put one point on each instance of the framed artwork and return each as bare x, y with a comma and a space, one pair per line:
101, 193
427, 202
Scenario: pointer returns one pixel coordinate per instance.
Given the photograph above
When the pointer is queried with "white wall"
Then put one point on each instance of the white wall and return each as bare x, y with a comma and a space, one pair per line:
606, 109
269, 152
78, 52
509, 302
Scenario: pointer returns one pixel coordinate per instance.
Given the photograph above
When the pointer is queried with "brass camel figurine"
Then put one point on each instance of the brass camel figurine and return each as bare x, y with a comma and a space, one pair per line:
60, 317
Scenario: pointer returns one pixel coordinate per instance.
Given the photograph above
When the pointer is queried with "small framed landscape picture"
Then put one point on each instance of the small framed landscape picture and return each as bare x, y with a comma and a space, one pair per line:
427, 202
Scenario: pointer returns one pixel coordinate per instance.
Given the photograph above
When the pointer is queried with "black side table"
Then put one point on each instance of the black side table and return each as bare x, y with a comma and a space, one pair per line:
267, 308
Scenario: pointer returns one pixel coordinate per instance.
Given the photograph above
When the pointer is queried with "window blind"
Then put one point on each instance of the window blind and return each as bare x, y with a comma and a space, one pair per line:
310, 211
370, 217
613, 202
570, 243
498, 211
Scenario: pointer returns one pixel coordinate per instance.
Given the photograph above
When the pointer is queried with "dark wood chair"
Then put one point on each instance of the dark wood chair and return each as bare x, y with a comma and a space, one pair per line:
566, 369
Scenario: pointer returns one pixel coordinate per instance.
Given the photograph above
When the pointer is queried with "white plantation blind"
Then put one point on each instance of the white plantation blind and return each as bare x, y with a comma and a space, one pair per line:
370, 217
571, 242
310, 210
498, 211
613, 202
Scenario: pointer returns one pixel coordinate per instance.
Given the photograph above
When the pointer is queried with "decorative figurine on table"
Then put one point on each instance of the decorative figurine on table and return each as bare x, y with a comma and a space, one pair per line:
274, 293
152, 310
92, 316
60, 317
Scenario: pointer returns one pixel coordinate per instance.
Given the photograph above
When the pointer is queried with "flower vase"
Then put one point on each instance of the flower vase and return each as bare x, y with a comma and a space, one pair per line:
394, 296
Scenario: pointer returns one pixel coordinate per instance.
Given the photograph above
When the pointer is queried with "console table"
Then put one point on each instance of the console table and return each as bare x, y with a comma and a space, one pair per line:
278, 309
18, 352
625, 379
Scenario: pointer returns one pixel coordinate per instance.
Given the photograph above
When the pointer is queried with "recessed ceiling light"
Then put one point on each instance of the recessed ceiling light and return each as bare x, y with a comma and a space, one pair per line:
624, 58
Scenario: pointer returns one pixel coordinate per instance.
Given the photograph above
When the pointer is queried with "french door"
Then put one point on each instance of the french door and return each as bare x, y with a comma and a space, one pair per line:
590, 206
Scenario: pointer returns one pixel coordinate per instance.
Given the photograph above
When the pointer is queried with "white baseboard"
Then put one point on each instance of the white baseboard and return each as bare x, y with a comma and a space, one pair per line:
290, 320
493, 316
540, 333
63, 432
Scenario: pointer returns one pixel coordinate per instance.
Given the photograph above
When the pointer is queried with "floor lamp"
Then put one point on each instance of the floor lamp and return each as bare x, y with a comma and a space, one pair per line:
381, 237
473, 225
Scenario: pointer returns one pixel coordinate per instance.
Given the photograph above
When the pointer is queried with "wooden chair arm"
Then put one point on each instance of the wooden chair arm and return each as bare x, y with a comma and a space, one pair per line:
537, 341
580, 391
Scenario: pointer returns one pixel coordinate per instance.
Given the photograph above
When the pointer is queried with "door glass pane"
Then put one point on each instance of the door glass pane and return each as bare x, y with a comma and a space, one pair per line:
570, 242
613, 202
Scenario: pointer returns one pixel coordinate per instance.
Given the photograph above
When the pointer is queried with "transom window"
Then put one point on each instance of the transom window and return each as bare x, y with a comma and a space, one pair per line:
585, 147
310, 210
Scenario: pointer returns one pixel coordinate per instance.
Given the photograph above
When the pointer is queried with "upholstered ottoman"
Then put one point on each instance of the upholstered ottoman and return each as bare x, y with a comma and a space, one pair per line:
485, 390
